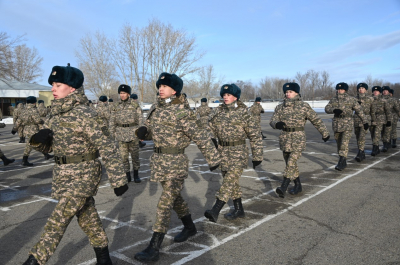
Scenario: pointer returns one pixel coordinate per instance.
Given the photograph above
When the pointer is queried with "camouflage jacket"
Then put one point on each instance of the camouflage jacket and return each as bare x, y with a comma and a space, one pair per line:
127, 112
30, 119
232, 123
344, 121
17, 112
366, 106
171, 125
380, 111
103, 111
393, 107
42, 110
295, 113
203, 112
76, 132
255, 110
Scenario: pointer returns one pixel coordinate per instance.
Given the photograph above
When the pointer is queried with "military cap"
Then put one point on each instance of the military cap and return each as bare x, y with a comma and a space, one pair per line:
385, 88
110, 100
31, 100
40, 101
134, 96
67, 75
342, 85
391, 91
378, 88
364, 85
124, 88
232, 89
203, 100
291, 86
103, 98
171, 80
258, 99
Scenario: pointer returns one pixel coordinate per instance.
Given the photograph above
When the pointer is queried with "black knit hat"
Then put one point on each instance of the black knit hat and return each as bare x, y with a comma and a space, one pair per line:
124, 88
67, 75
342, 85
110, 100
364, 85
171, 80
291, 86
232, 89
386, 88
378, 88
203, 100
258, 99
31, 100
40, 101
134, 96
103, 98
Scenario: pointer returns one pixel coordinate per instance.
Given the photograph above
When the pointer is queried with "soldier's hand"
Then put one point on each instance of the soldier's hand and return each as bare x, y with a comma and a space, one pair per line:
279, 125
256, 163
366, 126
388, 123
141, 132
13, 131
121, 190
359, 102
337, 112
214, 167
215, 142
326, 138
42, 136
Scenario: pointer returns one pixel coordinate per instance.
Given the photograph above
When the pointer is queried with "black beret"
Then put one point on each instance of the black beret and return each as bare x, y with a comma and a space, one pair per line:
232, 89
385, 88
124, 88
67, 75
31, 100
40, 101
291, 86
378, 88
364, 85
258, 99
342, 85
134, 96
203, 100
110, 100
171, 80
103, 98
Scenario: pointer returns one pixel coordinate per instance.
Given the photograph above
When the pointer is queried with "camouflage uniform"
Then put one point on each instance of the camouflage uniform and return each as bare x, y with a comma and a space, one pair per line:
11, 110
203, 112
103, 112
77, 136
395, 119
255, 110
380, 114
16, 116
394, 112
42, 112
292, 140
366, 106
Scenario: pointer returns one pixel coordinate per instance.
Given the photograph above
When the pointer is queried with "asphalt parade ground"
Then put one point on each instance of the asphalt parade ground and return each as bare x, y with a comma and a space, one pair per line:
341, 217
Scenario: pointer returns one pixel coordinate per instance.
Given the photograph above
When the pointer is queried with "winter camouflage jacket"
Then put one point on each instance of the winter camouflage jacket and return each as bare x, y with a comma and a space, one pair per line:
125, 119
17, 112
30, 119
393, 107
255, 110
380, 111
204, 112
366, 106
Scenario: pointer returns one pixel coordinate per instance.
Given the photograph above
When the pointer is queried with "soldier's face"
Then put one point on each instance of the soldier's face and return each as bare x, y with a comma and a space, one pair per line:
362, 90
123, 95
229, 98
341, 91
376, 93
166, 91
61, 90
290, 94
385, 92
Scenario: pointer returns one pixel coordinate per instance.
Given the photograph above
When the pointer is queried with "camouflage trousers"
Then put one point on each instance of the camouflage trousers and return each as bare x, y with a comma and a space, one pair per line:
376, 133
360, 136
230, 188
131, 148
21, 131
170, 199
28, 147
386, 133
342, 142
291, 169
393, 134
64, 212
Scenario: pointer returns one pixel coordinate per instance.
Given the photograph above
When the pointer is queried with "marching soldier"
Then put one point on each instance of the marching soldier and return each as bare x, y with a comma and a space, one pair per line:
395, 119
42, 111
380, 118
232, 124
16, 116
342, 105
135, 98
256, 109
125, 119
103, 112
75, 136
366, 105
203, 112
290, 117
394, 112
172, 127
6, 161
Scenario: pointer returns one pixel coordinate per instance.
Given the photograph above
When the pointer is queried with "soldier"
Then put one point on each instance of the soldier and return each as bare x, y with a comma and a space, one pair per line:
172, 127
125, 119
42, 109
380, 117
342, 105
395, 119
394, 110
366, 105
290, 117
135, 97
255, 110
16, 116
203, 112
30, 119
111, 105
11, 110
103, 111
232, 124
77, 140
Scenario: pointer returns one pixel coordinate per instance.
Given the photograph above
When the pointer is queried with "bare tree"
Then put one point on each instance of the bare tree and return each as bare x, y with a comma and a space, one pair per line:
25, 64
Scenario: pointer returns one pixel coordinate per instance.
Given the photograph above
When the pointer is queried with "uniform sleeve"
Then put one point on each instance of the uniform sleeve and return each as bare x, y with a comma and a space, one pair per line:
358, 109
387, 110
275, 117
317, 122
112, 124
329, 107
396, 107
140, 115
254, 134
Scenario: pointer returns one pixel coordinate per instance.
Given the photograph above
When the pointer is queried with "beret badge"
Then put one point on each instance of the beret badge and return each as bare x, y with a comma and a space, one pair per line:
54, 73
162, 77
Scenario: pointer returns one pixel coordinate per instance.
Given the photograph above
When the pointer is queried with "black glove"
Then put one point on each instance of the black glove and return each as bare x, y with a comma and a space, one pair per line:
42, 136
214, 167
279, 125
141, 132
215, 142
13, 131
337, 112
121, 190
388, 123
359, 102
326, 138
256, 163
366, 126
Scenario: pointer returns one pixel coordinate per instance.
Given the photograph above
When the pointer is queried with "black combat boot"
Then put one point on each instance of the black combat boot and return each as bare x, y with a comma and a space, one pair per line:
360, 156
238, 212
281, 191
21, 140
6, 161
375, 150
31, 261
394, 145
384, 147
152, 252
136, 178
128, 176
342, 164
25, 162
297, 187
102, 256
47, 156
189, 229
212, 214
263, 136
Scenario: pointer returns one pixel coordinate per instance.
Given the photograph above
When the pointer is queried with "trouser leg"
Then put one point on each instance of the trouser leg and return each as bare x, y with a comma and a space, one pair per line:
230, 187
124, 150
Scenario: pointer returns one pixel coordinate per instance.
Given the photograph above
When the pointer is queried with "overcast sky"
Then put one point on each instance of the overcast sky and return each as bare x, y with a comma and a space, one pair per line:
243, 40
